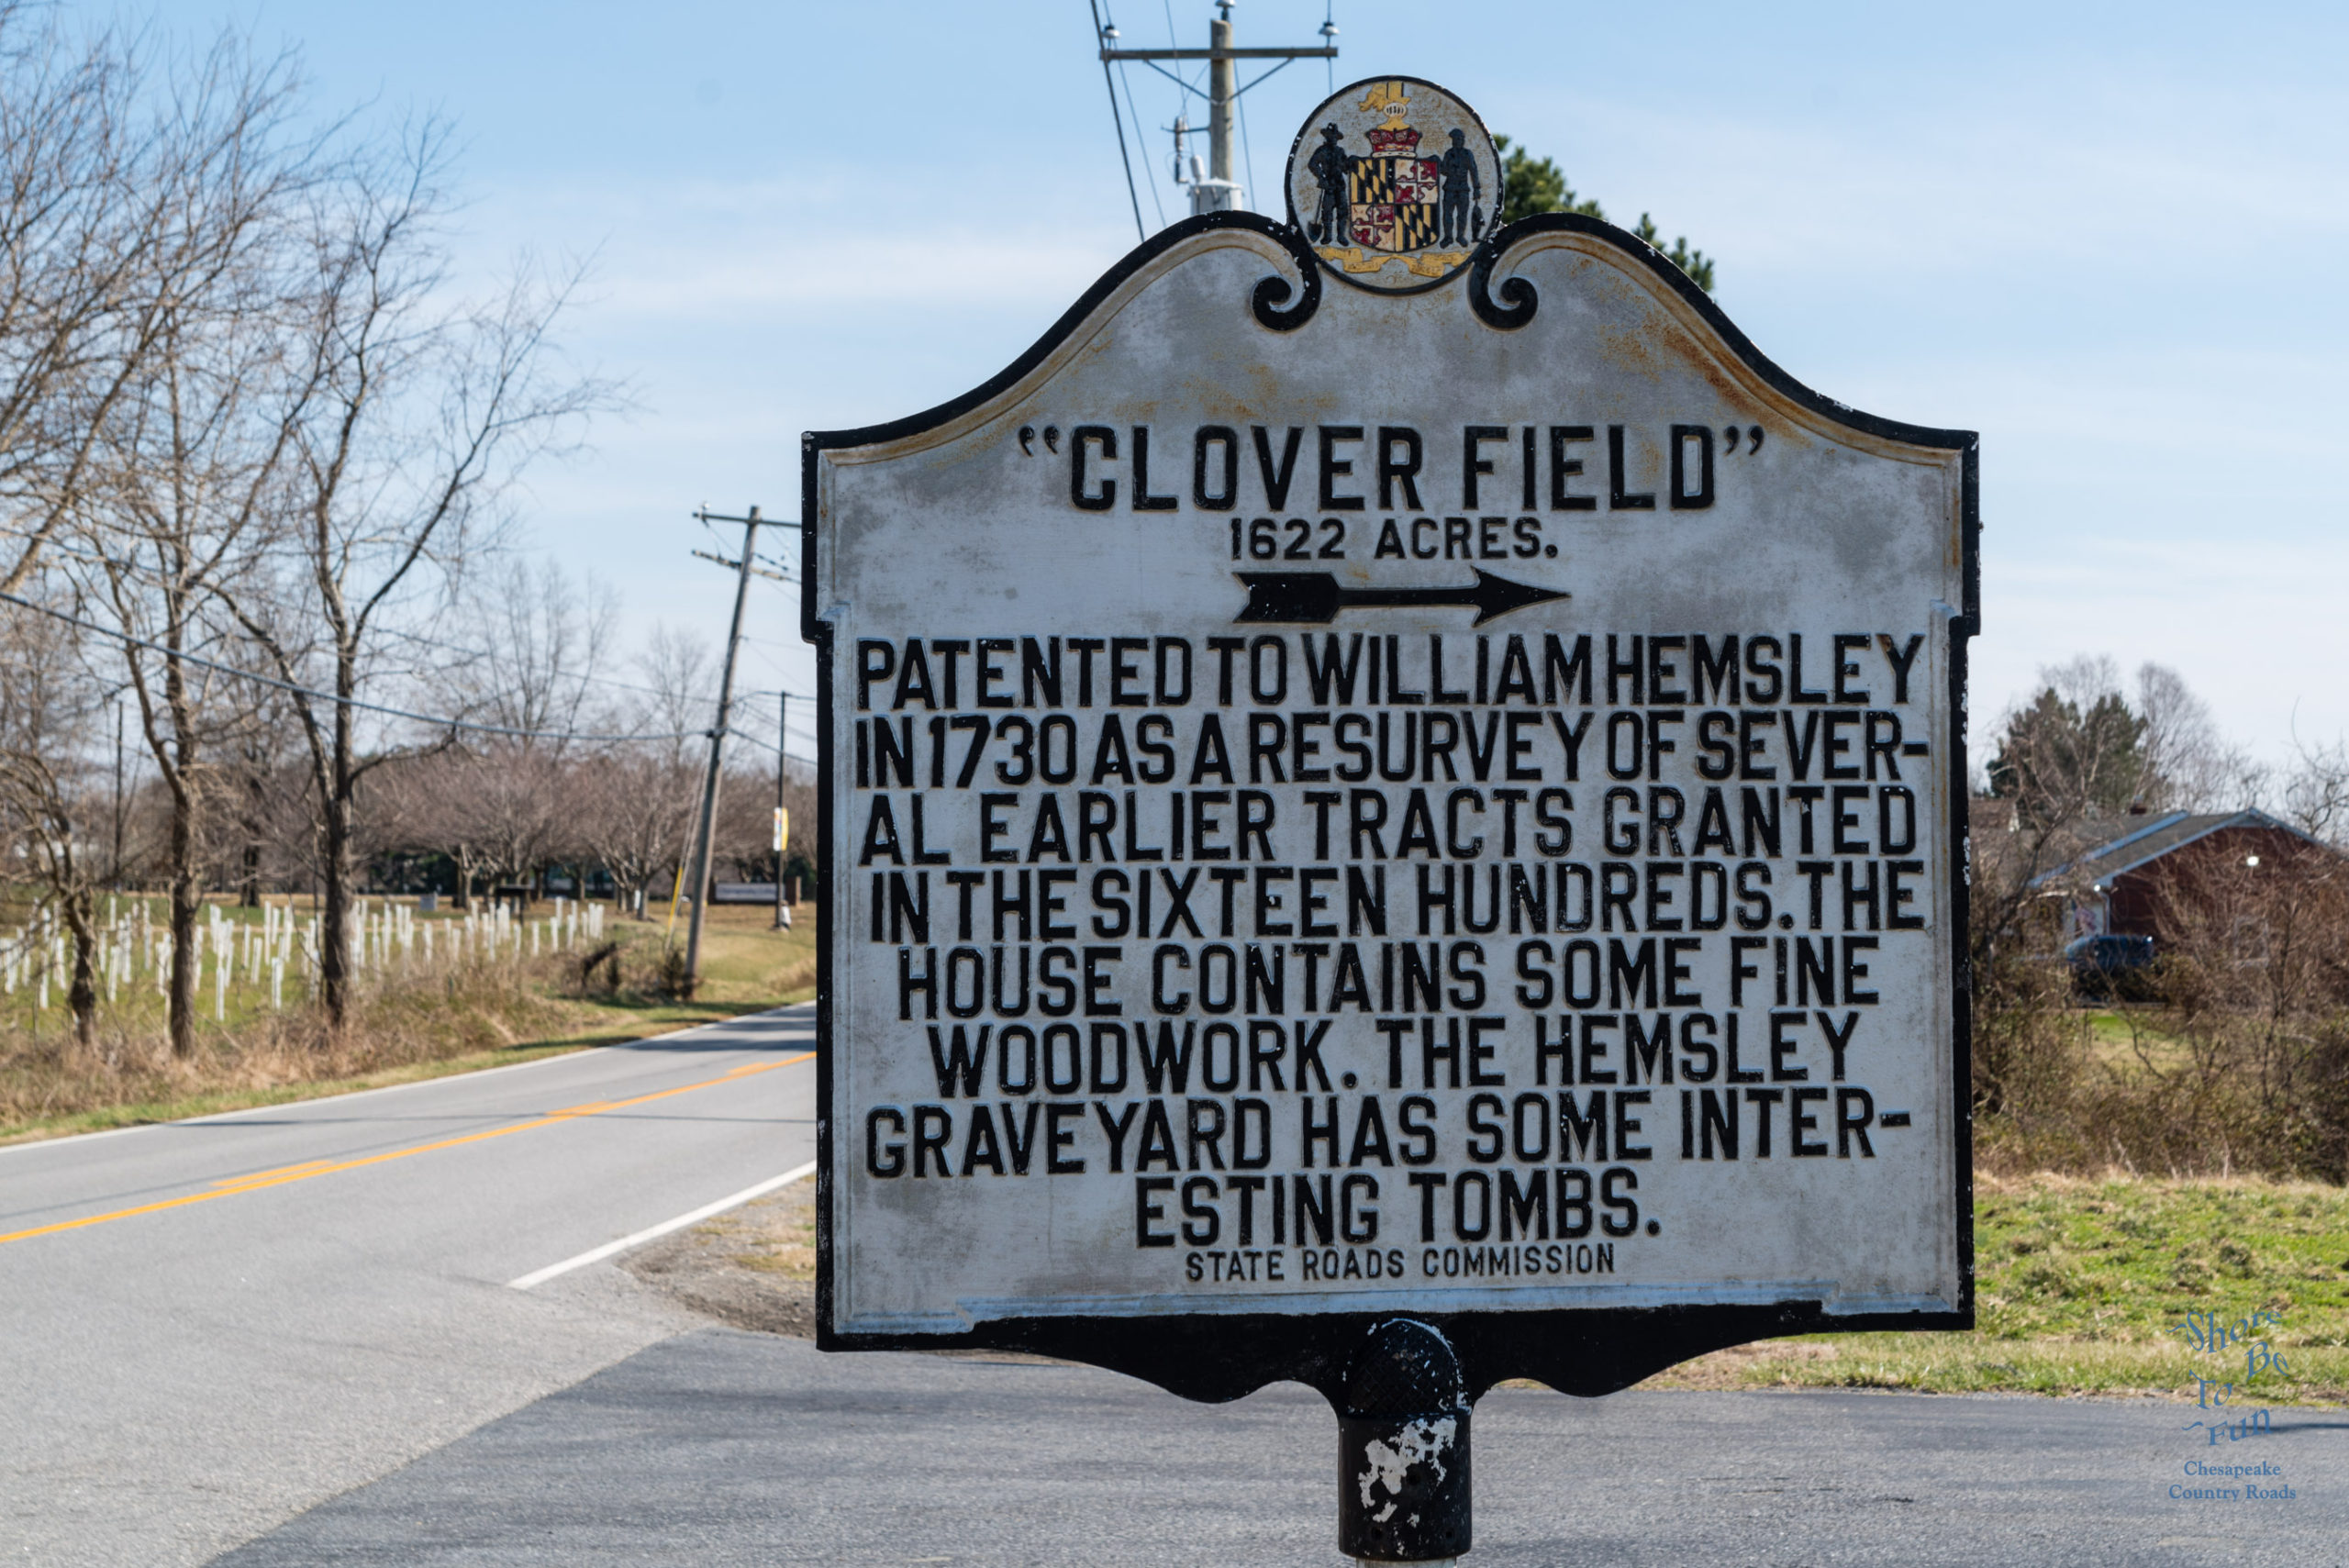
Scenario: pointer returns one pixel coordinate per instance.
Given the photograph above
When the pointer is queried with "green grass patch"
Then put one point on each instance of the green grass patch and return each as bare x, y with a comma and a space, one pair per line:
2129, 1042
2083, 1285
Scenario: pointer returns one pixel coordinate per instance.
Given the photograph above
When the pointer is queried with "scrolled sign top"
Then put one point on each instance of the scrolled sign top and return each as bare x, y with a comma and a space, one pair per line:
1350, 802
1394, 182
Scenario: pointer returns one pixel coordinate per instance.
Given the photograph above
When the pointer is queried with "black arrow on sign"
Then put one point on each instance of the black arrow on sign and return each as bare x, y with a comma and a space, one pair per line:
1316, 598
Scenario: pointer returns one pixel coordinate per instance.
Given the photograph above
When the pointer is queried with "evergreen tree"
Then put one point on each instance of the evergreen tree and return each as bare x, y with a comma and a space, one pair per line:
1531, 185
2060, 765
1695, 263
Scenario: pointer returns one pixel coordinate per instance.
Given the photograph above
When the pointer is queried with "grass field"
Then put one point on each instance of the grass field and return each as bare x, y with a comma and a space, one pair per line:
421, 1024
2083, 1287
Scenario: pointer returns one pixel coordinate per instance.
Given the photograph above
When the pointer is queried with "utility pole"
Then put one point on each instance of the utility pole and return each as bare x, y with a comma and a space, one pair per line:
707, 828
1223, 77
782, 756
1220, 191
115, 875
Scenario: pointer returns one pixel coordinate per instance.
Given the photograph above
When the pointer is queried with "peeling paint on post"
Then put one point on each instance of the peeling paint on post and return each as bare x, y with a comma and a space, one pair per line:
1391, 771
1403, 1475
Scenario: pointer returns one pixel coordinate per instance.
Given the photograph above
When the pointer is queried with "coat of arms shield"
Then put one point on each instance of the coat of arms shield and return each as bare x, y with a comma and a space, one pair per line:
1394, 182
1394, 194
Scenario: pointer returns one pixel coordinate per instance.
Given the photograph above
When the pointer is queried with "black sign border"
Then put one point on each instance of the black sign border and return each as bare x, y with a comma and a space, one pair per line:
1588, 1352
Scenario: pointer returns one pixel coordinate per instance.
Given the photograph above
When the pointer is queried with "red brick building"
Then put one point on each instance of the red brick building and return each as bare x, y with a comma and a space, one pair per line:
2122, 887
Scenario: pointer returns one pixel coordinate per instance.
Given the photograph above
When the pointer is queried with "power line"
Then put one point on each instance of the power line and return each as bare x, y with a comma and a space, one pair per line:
1224, 92
1134, 110
436, 722
780, 745
405, 636
1123, 156
1103, 35
1247, 151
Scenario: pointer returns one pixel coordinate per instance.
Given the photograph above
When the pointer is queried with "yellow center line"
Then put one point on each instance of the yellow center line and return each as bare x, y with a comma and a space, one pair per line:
283, 1175
306, 1167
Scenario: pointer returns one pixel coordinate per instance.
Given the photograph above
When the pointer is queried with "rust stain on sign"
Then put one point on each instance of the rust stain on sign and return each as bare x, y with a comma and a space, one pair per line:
1358, 800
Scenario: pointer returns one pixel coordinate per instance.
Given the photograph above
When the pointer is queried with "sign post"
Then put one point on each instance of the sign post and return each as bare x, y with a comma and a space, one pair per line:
1394, 798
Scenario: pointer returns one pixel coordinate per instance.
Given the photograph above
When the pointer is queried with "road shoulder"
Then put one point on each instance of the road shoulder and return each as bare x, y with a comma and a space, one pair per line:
751, 1268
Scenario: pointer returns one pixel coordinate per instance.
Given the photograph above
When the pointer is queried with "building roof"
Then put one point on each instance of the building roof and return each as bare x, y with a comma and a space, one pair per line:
2149, 838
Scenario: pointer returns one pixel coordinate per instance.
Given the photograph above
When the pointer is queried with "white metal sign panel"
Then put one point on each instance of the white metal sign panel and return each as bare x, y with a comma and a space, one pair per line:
1444, 806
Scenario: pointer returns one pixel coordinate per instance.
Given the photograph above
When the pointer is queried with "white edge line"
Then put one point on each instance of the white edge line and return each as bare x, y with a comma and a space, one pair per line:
653, 1233
75, 1140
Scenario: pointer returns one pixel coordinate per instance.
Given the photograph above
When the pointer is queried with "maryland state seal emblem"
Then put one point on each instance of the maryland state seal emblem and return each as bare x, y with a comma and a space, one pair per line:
1394, 180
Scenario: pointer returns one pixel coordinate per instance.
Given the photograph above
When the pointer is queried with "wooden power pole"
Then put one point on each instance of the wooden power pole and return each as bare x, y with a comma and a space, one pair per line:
706, 828
782, 763
1220, 191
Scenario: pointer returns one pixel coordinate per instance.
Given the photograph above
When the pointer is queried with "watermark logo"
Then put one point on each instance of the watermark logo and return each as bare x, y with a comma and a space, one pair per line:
2214, 1335
2229, 1417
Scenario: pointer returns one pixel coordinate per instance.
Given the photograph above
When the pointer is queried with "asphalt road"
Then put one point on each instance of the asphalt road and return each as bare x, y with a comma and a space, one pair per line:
716, 1449
258, 1311
292, 1337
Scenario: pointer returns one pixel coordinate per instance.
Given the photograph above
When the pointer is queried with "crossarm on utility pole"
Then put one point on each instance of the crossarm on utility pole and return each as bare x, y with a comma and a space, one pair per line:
1220, 190
1218, 54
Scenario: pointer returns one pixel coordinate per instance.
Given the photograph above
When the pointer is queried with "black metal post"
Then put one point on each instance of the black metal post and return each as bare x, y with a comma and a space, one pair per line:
1403, 1493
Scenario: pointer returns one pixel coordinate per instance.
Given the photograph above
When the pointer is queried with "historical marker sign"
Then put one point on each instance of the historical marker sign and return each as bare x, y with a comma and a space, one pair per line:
1385, 768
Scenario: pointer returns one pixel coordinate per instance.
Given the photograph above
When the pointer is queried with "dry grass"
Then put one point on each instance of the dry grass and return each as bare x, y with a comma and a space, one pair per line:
753, 1267
775, 1236
454, 1020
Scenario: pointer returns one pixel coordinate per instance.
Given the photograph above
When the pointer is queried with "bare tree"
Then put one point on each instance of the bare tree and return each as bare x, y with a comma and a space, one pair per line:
544, 640
2316, 791
636, 809
111, 179
46, 702
259, 828
637, 801
510, 806
490, 809
2256, 977
414, 420
513, 811
680, 680
180, 491
2188, 765
70, 243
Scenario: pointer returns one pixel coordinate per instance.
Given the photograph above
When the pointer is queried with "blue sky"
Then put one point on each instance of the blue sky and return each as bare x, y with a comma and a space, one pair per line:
2109, 238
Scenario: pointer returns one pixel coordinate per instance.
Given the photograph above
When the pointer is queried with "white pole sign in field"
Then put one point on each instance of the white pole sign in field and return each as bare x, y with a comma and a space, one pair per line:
1391, 766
